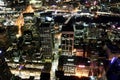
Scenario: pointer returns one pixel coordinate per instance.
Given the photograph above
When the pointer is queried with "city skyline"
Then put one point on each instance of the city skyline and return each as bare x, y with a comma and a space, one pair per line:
71, 40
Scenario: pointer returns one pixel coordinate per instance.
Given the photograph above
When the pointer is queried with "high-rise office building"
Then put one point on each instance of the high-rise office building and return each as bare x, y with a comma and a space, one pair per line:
67, 40
46, 40
80, 33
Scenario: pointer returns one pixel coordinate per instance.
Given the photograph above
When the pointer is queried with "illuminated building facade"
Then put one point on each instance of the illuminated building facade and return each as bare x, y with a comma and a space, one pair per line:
67, 40
31, 36
46, 40
79, 36
75, 66
36, 3
28, 20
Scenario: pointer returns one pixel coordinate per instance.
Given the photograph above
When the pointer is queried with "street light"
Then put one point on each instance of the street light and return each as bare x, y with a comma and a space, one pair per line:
0, 51
81, 66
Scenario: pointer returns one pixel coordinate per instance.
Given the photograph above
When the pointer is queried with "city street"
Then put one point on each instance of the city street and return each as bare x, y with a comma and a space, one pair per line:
56, 56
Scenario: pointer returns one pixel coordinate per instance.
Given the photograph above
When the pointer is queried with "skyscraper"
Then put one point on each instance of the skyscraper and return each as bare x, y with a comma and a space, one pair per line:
46, 40
67, 40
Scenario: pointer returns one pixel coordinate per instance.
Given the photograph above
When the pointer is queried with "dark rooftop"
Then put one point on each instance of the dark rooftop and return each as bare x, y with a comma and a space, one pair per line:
79, 26
28, 14
2, 30
67, 28
46, 24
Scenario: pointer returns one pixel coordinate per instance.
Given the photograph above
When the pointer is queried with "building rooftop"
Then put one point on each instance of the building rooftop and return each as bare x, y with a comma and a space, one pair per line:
79, 26
67, 28
75, 60
46, 24
28, 14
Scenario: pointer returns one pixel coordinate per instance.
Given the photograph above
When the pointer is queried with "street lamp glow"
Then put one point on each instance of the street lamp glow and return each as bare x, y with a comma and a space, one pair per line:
81, 66
0, 51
